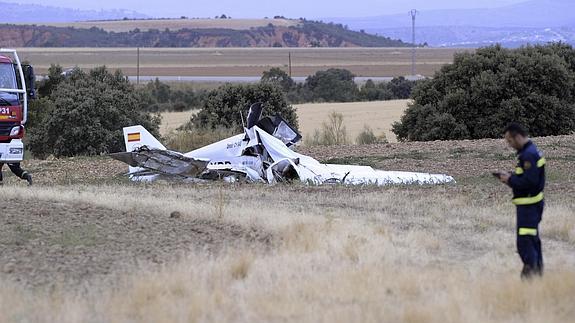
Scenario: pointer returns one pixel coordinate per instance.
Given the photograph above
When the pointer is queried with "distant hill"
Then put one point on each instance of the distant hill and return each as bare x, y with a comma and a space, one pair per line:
535, 21
302, 34
176, 24
31, 13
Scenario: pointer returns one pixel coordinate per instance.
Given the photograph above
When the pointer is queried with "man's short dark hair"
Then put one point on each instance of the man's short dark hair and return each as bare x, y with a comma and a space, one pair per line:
515, 129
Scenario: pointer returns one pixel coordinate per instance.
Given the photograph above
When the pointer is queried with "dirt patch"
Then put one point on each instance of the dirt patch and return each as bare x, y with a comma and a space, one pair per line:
44, 243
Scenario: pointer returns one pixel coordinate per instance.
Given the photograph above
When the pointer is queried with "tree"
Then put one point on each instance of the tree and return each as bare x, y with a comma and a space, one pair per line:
225, 106
279, 77
85, 114
333, 85
480, 93
401, 87
55, 76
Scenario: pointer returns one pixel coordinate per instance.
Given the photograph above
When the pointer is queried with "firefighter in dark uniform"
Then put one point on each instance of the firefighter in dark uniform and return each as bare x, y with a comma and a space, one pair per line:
18, 171
528, 183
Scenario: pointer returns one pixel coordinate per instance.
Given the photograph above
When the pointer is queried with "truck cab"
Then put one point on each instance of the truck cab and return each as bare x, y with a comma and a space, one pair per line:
16, 87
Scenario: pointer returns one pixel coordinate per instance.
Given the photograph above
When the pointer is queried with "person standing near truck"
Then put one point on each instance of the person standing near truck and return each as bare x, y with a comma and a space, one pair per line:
18, 171
16, 88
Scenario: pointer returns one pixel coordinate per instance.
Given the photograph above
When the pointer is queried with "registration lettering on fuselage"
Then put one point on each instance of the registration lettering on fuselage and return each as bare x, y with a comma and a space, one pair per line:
234, 145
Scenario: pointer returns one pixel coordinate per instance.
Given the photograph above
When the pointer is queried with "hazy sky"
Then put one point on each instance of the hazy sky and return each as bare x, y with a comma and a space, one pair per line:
258, 9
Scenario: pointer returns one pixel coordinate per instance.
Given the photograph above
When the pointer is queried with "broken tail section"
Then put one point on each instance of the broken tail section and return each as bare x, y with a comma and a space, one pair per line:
148, 158
136, 137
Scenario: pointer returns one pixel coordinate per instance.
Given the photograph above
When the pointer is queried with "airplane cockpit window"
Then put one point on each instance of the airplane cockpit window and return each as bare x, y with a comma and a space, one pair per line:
285, 133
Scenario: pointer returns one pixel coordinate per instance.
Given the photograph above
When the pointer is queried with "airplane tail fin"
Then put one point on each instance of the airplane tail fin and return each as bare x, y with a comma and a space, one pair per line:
137, 136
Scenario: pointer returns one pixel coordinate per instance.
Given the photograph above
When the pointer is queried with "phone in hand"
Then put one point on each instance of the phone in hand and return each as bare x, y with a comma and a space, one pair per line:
498, 175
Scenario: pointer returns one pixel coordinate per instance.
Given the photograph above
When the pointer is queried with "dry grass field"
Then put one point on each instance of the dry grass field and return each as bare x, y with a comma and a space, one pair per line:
242, 61
176, 24
173, 120
378, 115
85, 244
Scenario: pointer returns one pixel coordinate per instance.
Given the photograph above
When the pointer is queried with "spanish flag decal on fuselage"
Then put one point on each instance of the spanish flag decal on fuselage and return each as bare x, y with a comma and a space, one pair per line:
132, 137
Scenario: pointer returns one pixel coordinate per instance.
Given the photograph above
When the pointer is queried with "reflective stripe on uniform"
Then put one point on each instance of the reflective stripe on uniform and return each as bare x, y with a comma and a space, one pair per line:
528, 200
541, 162
519, 171
527, 232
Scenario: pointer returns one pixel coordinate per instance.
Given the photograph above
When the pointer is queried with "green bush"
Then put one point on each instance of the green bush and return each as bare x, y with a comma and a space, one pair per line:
279, 77
160, 97
337, 85
333, 85
84, 115
225, 106
480, 93
367, 137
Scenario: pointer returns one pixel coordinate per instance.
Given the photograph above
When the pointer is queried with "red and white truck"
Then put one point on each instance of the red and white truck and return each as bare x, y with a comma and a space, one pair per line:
16, 88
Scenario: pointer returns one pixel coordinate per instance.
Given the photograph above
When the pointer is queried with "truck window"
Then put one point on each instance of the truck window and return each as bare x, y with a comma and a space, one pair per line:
7, 77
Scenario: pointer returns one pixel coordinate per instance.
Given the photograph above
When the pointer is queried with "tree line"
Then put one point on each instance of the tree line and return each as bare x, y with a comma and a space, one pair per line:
333, 85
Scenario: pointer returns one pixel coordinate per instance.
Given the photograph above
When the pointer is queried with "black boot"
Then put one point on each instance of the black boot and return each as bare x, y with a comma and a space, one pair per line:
28, 178
527, 272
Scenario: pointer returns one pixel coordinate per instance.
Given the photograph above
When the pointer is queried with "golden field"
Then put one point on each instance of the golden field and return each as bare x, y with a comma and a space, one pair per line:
91, 246
367, 62
173, 120
377, 115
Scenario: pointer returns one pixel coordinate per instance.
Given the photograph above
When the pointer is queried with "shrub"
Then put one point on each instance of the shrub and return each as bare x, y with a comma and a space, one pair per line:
333, 132
225, 106
85, 114
160, 97
367, 137
333, 85
279, 77
481, 93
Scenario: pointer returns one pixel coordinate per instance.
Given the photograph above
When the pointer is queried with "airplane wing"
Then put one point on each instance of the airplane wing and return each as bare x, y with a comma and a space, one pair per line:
163, 162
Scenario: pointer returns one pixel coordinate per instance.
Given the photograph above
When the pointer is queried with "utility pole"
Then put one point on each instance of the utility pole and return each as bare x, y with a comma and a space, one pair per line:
413, 14
289, 58
138, 68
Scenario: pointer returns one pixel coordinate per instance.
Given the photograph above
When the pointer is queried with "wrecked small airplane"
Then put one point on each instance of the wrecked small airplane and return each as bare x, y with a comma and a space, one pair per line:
261, 154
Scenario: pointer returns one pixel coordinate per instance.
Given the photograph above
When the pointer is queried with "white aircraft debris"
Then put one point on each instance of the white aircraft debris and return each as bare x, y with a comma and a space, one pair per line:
261, 154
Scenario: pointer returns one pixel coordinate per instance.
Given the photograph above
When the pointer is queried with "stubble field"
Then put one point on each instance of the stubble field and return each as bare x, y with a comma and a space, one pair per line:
85, 244
366, 62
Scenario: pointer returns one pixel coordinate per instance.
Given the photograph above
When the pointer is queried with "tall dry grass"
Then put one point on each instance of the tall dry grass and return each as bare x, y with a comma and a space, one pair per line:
339, 255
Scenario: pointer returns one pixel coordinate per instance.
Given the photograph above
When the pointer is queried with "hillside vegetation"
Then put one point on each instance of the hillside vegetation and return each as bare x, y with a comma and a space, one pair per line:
304, 34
